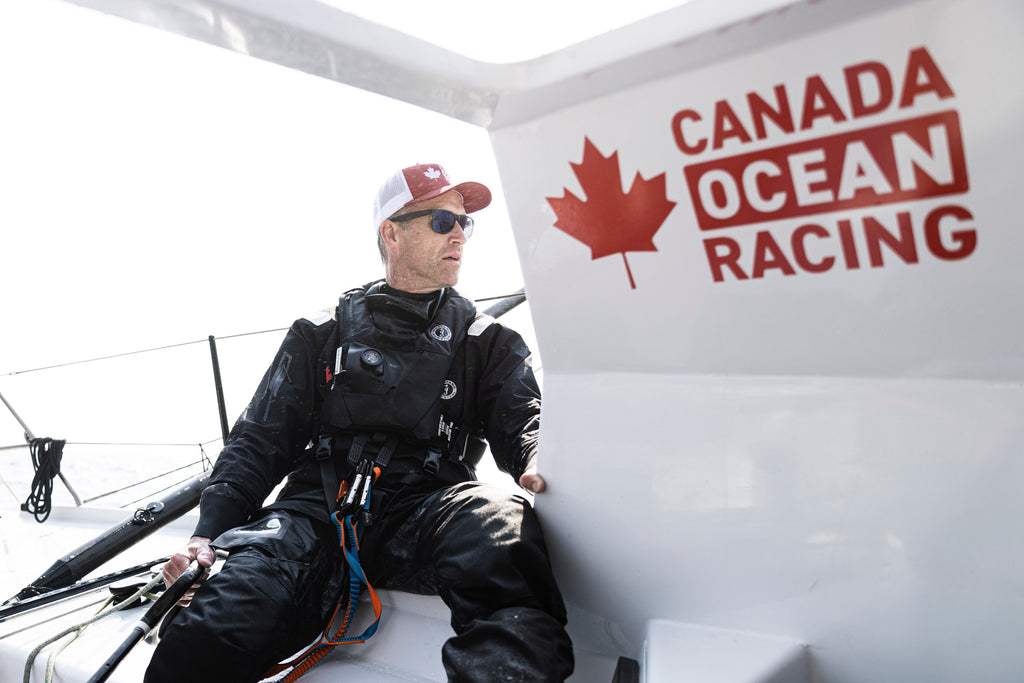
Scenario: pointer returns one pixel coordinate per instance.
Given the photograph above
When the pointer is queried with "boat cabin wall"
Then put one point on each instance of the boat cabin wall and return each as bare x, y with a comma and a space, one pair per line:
777, 297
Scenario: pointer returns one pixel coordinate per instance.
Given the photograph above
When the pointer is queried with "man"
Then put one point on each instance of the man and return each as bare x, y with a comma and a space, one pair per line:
408, 374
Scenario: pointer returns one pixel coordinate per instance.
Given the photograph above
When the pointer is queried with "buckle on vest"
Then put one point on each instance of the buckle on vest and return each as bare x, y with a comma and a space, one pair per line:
432, 463
324, 446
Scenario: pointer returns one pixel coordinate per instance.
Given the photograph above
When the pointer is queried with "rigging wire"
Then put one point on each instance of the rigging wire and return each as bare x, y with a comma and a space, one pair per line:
8, 487
134, 353
203, 460
145, 481
200, 341
139, 443
150, 496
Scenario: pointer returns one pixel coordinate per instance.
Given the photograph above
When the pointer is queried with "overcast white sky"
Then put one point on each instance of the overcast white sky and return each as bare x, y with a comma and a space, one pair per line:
156, 190
504, 32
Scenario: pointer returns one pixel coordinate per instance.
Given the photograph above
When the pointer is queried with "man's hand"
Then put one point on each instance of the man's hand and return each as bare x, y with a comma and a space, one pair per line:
198, 549
530, 480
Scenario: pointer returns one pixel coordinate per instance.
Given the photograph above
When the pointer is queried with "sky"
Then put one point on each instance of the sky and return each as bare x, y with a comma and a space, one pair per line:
156, 190
509, 32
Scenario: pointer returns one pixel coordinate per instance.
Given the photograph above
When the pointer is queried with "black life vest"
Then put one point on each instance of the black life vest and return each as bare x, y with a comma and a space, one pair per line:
399, 387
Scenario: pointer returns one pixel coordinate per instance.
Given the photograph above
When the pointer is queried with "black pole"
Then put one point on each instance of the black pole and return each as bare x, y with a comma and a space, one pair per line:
150, 619
506, 304
220, 390
82, 560
15, 607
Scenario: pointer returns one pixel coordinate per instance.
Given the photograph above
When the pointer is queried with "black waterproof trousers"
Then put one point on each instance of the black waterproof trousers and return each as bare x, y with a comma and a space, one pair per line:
479, 548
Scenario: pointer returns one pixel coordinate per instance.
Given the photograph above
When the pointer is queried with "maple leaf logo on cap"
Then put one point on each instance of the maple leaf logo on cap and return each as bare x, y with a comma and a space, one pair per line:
434, 173
611, 221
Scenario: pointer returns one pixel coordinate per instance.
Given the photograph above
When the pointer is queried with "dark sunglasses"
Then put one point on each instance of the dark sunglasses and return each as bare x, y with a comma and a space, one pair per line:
441, 221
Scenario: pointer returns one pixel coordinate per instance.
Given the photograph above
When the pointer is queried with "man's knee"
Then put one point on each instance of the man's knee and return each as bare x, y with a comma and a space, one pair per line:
491, 555
487, 524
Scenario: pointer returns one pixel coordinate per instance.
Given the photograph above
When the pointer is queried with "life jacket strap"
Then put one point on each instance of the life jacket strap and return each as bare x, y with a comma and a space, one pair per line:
385, 445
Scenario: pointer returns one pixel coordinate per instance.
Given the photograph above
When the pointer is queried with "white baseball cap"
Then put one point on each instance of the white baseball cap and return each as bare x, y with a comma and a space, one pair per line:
419, 183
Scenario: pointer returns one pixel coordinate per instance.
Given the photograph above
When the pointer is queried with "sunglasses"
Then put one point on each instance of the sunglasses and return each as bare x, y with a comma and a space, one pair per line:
441, 221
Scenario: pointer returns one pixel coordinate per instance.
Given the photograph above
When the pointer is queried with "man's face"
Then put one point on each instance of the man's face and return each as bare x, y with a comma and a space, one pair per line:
422, 260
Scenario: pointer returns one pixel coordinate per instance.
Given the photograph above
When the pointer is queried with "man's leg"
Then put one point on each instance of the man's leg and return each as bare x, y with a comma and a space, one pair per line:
266, 603
482, 550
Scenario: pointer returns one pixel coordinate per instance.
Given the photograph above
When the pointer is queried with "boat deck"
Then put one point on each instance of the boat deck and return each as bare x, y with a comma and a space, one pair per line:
405, 648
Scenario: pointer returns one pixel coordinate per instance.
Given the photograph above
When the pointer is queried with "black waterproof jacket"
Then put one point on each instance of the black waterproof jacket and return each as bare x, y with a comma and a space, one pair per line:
277, 434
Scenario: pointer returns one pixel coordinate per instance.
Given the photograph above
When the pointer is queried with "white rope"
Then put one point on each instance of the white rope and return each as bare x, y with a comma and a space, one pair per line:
51, 662
105, 611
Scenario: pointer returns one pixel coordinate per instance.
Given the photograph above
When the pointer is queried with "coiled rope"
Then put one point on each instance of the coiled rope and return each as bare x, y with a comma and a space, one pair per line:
46, 457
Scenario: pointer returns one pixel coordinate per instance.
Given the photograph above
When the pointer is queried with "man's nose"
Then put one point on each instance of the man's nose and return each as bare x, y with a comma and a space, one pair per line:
457, 234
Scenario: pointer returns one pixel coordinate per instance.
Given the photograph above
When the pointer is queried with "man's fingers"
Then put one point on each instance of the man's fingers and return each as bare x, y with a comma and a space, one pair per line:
532, 482
206, 556
175, 567
170, 575
186, 599
198, 549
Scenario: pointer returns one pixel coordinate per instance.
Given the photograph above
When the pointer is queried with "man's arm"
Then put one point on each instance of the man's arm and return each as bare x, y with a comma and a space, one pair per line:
275, 427
509, 398
259, 453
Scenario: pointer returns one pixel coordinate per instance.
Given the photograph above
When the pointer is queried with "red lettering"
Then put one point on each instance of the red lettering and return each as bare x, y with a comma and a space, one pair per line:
966, 240
903, 161
944, 241
800, 251
677, 132
869, 85
883, 83
849, 246
875, 233
729, 259
780, 115
727, 125
920, 64
819, 103
764, 247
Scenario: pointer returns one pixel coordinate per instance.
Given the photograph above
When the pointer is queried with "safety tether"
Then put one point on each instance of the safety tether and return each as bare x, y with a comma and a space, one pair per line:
349, 528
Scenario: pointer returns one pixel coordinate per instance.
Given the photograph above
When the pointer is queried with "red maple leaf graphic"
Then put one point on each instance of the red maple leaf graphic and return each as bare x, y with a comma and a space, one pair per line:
611, 221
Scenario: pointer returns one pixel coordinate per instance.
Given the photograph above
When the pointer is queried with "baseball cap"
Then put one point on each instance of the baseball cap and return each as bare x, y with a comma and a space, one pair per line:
419, 183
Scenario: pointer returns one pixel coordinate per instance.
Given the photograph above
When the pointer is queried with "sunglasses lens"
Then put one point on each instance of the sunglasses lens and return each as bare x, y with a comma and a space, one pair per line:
443, 222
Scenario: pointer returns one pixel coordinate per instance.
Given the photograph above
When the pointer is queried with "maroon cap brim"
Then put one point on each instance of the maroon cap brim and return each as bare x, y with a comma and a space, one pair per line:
475, 196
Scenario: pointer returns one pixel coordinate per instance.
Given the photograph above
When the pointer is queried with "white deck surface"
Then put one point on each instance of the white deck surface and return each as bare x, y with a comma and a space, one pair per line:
407, 646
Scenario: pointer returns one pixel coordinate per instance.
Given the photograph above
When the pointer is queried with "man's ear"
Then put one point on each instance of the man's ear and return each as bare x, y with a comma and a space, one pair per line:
389, 234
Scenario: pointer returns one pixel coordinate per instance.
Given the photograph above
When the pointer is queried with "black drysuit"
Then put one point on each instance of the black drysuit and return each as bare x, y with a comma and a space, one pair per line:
435, 529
